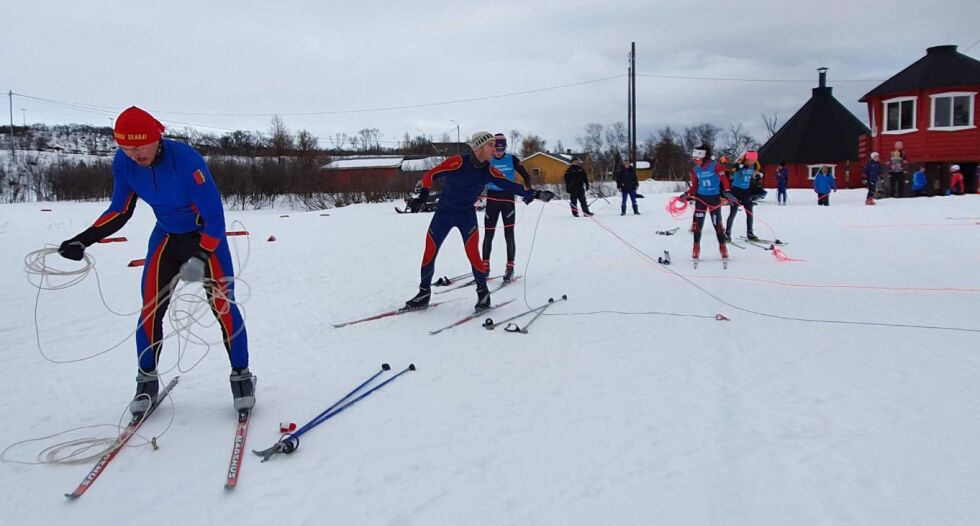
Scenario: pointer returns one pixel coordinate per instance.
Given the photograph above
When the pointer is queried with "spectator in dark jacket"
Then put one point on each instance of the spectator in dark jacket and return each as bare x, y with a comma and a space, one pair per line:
576, 183
782, 181
627, 184
872, 171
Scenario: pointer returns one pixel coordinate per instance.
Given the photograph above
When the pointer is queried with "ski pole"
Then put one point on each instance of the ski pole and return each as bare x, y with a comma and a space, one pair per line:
517, 328
279, 446
490, 325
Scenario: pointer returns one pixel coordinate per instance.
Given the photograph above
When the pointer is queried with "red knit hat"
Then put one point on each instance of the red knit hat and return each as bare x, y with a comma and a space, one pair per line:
135, 127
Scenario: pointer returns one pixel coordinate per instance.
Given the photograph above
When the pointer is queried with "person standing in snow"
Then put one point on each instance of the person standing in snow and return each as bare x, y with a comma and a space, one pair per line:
466, 176
919, 182
576, 183
782, 182
501, 204
872, 171
627, 184
742, 196
896, 170
956, 185
188, 242
823, 184
708, 184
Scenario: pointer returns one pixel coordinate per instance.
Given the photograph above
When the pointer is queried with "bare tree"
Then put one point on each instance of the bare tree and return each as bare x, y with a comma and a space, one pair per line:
280, 139
739, 141
515, 136
616, 139
772, 124
670, 158
339, 141
370, 139
308, 147
705, 133
532, 144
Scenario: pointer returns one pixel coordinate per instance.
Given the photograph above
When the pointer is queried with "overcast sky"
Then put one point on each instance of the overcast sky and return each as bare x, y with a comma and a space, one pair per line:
201, 62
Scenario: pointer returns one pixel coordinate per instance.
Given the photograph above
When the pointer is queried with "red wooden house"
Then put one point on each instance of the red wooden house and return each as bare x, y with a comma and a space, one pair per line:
931, 108
821, 133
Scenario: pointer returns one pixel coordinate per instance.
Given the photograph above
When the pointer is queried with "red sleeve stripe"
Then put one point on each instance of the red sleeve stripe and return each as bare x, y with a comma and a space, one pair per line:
453, 163
209, 243
109, 216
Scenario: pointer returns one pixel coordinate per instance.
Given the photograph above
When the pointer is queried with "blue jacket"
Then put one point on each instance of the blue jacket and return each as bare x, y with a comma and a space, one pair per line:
177, 186
872, 171
919, 180
824, 183
782, 178
465, 179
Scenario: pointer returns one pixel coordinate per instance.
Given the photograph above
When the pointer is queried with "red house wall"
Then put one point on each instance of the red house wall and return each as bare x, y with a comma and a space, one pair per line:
926, 145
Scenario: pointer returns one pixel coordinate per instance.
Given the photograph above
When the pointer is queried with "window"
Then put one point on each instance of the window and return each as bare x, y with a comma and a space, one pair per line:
899, 115
952, 111
814, 168
535, 172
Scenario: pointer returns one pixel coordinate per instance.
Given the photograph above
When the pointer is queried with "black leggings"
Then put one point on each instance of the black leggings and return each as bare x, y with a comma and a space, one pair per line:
743, 197
701, 205
499, 204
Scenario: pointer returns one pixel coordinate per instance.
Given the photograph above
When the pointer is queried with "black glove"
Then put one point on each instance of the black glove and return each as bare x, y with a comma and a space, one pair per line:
418, 202
72, 249
193, 268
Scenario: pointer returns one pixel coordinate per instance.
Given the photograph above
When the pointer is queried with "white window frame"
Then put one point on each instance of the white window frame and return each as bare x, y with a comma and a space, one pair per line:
951, 94
812, 170
899, 101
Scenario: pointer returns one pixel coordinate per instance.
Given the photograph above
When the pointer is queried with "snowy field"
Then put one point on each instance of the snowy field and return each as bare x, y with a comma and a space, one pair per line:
649, 410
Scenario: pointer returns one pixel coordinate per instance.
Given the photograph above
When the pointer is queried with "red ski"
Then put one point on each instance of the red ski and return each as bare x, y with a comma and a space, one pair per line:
235, 466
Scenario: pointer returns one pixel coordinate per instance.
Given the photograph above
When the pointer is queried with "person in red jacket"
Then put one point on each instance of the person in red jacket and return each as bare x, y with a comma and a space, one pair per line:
708, 184
956, 186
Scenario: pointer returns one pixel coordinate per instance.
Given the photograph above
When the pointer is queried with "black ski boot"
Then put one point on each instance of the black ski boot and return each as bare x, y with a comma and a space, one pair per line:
420, 300
243, 389
509, 274
636, 210
752, 237
147, 387
482, 298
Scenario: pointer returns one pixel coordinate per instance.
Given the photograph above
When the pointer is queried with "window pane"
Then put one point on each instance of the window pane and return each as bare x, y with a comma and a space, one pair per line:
961, 111
891, 120
906, 115
941, 117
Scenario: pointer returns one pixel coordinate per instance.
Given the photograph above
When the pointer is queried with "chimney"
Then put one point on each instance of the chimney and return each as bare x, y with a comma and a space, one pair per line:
823, 77
568, 151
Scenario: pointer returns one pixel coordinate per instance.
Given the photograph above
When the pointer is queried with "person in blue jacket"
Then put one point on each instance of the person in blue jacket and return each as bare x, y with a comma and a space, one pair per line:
919, 182
500, 204
748, 165
782, 182
823, 184
872, 171
188, 242
466, 176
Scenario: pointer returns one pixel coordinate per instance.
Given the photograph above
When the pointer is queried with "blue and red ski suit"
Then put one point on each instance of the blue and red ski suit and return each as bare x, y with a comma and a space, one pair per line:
465, 179
190, 220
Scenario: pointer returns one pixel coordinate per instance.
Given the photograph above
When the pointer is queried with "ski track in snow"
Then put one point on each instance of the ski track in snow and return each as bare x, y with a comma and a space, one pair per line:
600, 419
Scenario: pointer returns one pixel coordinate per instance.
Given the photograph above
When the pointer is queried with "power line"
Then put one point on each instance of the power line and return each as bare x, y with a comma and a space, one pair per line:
733, 79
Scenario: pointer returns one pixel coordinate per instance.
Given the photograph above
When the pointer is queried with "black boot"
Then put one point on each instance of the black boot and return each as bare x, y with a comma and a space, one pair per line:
636, 210
243, 389
147, 387
482, 298
509, 274
752, 237
420, 300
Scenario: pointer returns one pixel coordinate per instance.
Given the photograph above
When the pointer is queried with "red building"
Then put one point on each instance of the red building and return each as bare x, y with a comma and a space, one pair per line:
931, 108
821, 133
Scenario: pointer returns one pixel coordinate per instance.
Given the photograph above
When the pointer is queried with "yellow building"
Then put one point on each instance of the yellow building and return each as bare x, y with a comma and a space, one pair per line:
549, 168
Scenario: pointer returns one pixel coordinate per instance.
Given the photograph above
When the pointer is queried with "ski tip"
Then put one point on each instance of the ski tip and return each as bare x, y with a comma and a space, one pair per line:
71, 496
229, 487
411, 367
385, 367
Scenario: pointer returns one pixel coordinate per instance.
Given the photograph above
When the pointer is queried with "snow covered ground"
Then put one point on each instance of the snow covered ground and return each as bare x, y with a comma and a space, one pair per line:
648, 411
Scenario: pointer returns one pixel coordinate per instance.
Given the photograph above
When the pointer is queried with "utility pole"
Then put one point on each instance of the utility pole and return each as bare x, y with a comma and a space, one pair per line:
632, 123
13, 165
23, 114
457, 135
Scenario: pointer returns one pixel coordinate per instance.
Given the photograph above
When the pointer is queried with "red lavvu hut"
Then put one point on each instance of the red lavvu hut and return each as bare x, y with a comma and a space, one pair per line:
931, 108
821, 133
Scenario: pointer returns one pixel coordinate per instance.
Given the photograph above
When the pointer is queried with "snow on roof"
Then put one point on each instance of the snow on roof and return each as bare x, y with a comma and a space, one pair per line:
642, 165
340, 163
421, 165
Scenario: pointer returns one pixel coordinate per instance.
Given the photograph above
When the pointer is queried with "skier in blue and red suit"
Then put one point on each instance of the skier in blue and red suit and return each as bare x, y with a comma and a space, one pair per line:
466, 176
708, 183
188, 241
